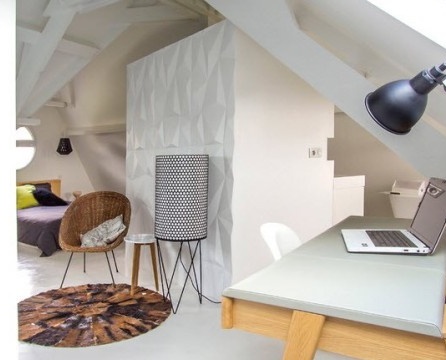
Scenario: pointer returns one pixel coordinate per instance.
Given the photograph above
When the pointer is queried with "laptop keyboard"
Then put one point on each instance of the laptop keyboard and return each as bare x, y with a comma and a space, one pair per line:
383, 238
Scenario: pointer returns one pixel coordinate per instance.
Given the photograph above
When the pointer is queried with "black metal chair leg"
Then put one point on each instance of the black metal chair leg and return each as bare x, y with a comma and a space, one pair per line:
66, 270
114, 259
109, 268
85, 262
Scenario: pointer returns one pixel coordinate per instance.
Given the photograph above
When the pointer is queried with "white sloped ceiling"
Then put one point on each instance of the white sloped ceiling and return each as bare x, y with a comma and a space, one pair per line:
345, 49
56, 39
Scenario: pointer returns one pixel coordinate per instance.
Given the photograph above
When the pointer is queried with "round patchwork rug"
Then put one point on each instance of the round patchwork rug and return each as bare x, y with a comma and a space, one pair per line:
89, 315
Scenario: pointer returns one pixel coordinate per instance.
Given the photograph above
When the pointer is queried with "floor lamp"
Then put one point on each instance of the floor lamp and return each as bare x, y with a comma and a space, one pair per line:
181, 208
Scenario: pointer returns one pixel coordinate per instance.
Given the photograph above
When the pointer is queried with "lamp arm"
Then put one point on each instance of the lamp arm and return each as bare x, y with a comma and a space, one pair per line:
438, 73
427, 80
443, 81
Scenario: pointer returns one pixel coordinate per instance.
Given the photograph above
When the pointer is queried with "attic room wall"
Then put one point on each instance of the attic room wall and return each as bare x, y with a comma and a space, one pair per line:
355, 151
278, 117
98, 100
103, 158
48, 164
98, 92
180, 101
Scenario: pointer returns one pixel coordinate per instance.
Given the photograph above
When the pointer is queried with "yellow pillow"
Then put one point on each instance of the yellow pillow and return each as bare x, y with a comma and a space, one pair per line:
25, 197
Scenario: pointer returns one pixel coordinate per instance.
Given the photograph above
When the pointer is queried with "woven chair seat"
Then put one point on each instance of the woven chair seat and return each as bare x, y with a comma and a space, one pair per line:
86, 213
89, 211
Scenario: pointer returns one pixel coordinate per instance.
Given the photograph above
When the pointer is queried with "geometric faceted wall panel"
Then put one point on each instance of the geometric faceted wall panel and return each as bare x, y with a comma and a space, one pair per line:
180, 100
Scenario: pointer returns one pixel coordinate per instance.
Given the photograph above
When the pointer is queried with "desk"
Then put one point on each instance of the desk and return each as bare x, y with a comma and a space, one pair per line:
360, 305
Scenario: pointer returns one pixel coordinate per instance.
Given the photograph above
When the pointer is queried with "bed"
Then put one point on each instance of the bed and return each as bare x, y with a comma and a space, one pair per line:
38, 224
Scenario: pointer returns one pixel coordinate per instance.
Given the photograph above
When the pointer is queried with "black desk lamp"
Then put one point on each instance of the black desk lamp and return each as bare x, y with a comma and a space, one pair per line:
398, 105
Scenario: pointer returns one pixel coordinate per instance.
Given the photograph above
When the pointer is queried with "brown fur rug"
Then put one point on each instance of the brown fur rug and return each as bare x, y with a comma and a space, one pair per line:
89, 315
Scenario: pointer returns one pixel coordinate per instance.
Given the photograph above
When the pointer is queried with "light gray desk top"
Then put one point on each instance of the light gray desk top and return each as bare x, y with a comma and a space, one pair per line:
405, 292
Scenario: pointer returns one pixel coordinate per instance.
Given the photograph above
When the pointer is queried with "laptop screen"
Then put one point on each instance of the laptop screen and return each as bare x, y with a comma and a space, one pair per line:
429, 221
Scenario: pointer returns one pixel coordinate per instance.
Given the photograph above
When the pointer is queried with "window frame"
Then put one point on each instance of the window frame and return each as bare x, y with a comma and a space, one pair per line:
26, 144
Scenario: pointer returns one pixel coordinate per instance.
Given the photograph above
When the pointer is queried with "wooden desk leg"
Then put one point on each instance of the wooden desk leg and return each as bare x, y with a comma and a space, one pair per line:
154, 265
303, 336
227, 312
135, 269
444, 325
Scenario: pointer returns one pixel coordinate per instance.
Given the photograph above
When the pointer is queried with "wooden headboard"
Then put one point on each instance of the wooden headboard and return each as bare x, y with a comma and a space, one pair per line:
55, 184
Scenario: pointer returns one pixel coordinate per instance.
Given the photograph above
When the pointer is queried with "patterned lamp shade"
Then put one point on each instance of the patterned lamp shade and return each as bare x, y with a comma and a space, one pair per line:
64, 147
181, 197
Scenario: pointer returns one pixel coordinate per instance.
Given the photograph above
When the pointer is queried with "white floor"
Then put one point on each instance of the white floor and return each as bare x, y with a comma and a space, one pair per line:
194, 332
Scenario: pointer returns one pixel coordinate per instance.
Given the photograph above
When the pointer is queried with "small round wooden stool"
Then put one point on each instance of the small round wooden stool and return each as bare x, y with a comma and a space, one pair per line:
138, 240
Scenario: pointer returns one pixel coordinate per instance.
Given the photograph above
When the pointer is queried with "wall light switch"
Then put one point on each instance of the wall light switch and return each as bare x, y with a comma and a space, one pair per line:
315, 152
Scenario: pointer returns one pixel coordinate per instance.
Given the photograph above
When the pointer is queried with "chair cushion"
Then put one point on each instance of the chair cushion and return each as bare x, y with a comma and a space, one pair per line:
104, 234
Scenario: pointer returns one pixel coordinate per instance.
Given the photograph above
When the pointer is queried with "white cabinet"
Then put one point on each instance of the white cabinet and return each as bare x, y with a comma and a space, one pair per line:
348, 197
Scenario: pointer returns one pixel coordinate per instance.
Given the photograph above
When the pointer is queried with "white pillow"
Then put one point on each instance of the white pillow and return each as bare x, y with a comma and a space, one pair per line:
103, 234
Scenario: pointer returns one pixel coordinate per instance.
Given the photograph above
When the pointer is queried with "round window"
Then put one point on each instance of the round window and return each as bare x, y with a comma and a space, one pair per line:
25, 147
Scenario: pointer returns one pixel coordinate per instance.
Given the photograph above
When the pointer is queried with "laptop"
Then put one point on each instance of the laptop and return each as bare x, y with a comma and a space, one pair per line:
422, 237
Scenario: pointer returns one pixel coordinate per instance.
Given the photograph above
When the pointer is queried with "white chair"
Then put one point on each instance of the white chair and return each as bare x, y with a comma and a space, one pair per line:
279, 238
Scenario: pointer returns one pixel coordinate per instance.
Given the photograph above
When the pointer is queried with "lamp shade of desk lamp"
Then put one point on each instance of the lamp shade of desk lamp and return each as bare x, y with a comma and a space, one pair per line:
181, 197
64, 147
397, 106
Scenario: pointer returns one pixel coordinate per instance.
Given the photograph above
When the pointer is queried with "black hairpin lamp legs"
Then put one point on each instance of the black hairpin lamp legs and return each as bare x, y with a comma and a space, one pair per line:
192, 273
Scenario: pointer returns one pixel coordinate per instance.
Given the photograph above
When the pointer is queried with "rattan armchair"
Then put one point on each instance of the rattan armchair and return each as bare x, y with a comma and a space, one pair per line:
87, 212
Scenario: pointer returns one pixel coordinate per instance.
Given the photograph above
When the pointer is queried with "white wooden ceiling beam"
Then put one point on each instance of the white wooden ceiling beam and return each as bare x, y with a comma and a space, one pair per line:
37, 58
35, 84
51, 83
30, 36
197, 6
24, 50
157, 13
79, 6
99, 129
77, 49
28, 122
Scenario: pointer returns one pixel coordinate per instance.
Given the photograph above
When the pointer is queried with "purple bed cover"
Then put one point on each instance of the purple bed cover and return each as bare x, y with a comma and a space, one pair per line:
39, 226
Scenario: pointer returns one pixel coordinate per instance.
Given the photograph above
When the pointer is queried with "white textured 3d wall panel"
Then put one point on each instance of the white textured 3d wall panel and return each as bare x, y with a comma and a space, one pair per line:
180, 100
